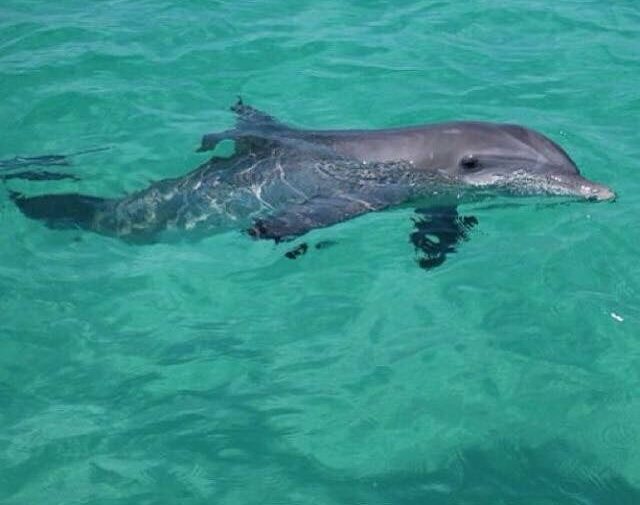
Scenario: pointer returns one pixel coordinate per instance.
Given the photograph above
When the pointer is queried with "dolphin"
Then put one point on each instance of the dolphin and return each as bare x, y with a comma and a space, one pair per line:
282, 182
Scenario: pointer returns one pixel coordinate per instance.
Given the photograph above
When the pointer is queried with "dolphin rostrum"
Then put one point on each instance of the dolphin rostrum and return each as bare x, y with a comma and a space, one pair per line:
282, 182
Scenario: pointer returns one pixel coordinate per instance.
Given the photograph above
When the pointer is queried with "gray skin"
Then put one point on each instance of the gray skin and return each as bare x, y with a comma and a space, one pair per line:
282, 182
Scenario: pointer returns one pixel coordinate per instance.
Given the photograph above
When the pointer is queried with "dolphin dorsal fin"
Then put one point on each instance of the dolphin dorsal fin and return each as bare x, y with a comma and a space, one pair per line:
252, 125
250, 117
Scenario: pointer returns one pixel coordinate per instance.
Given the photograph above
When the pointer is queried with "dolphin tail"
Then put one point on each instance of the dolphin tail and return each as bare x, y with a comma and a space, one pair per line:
70, 210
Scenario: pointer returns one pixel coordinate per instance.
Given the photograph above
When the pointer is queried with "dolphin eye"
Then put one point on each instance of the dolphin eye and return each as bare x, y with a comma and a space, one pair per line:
469, 162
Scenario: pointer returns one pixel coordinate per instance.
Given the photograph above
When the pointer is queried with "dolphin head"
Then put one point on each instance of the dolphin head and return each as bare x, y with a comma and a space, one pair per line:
513, 160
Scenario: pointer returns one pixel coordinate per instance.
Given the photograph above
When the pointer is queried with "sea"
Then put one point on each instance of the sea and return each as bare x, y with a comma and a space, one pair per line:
218, 371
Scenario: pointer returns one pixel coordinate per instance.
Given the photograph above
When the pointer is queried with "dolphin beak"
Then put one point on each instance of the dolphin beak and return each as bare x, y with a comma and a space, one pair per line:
577, 185
594, 191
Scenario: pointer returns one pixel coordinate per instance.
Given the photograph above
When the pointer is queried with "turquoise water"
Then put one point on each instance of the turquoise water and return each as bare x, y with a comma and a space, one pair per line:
218, 371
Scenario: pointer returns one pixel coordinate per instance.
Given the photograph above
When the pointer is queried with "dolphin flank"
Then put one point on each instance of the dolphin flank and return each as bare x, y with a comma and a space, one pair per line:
282, 182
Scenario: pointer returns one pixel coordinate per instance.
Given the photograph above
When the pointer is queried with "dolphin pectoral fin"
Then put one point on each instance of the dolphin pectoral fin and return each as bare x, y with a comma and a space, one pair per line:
317, 212
438, 230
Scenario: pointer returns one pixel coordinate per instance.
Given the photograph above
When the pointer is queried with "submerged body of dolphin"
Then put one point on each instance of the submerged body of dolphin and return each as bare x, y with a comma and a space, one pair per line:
282, 182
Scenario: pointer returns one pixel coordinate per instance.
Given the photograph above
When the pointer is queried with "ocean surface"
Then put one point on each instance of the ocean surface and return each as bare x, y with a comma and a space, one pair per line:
220, 372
